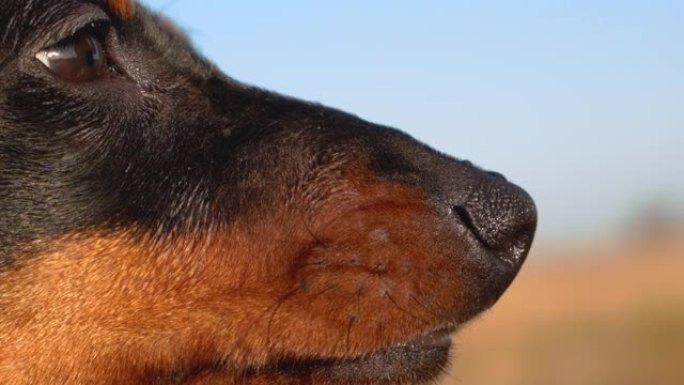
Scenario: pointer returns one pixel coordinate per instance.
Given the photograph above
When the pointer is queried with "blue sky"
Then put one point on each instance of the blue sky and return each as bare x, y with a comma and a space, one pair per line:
581, 102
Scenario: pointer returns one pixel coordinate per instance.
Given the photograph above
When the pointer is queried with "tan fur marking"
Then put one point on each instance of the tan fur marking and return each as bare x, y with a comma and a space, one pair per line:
123, 8
126, 308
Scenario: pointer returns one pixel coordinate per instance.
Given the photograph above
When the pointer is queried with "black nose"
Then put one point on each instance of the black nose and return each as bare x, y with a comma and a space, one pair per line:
499, 214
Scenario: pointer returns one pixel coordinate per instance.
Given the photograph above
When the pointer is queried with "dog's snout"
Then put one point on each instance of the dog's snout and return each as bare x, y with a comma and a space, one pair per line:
499, 214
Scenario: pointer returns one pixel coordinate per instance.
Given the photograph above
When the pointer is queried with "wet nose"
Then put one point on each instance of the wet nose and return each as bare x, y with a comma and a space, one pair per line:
501, 216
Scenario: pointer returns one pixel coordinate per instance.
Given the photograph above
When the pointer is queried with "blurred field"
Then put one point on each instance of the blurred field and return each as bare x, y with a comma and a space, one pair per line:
595, 315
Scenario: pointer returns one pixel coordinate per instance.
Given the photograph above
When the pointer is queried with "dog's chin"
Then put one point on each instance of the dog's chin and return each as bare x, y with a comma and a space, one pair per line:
412, 362
417, 361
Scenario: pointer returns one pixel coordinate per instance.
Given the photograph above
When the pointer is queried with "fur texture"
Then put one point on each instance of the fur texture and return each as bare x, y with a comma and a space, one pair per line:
165, 224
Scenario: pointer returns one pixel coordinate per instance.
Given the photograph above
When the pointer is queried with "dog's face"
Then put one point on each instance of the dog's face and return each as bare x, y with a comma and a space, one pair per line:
164, 224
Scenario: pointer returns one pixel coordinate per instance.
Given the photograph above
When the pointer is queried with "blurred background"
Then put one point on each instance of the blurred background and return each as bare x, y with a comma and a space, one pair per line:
580, 102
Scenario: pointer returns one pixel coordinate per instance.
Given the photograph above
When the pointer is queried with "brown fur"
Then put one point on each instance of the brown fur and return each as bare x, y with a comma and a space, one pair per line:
164, 224
249, 290
123, 8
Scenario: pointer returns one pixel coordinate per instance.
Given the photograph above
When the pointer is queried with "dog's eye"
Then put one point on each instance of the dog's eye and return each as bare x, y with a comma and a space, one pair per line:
79, 59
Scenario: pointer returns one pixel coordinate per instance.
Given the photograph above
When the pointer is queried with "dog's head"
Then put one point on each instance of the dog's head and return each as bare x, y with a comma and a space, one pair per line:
161, 223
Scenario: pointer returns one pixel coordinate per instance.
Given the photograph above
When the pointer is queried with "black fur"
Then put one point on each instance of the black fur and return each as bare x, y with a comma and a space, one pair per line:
166, 141
164, 144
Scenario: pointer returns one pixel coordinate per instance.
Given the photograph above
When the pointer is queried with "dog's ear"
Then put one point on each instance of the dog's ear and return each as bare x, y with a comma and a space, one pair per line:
122, 8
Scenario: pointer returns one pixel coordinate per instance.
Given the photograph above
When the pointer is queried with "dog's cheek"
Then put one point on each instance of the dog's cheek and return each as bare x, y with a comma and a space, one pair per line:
129, 304
125, 304
379, 268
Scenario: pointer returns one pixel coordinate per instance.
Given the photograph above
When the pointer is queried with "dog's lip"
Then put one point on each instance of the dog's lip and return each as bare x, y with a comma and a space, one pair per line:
441, 338
422, 358
435, 339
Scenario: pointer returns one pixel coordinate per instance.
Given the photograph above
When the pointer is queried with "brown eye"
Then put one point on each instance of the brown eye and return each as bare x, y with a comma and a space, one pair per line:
80, 59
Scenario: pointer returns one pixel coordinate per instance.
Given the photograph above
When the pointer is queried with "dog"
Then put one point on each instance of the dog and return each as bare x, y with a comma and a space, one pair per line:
162, 223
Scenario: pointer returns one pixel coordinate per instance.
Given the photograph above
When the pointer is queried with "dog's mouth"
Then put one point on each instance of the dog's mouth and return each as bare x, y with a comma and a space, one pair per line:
416, 361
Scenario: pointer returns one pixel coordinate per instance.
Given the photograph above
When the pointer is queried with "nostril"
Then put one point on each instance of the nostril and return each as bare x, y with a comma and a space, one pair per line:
467, 220
502, 218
